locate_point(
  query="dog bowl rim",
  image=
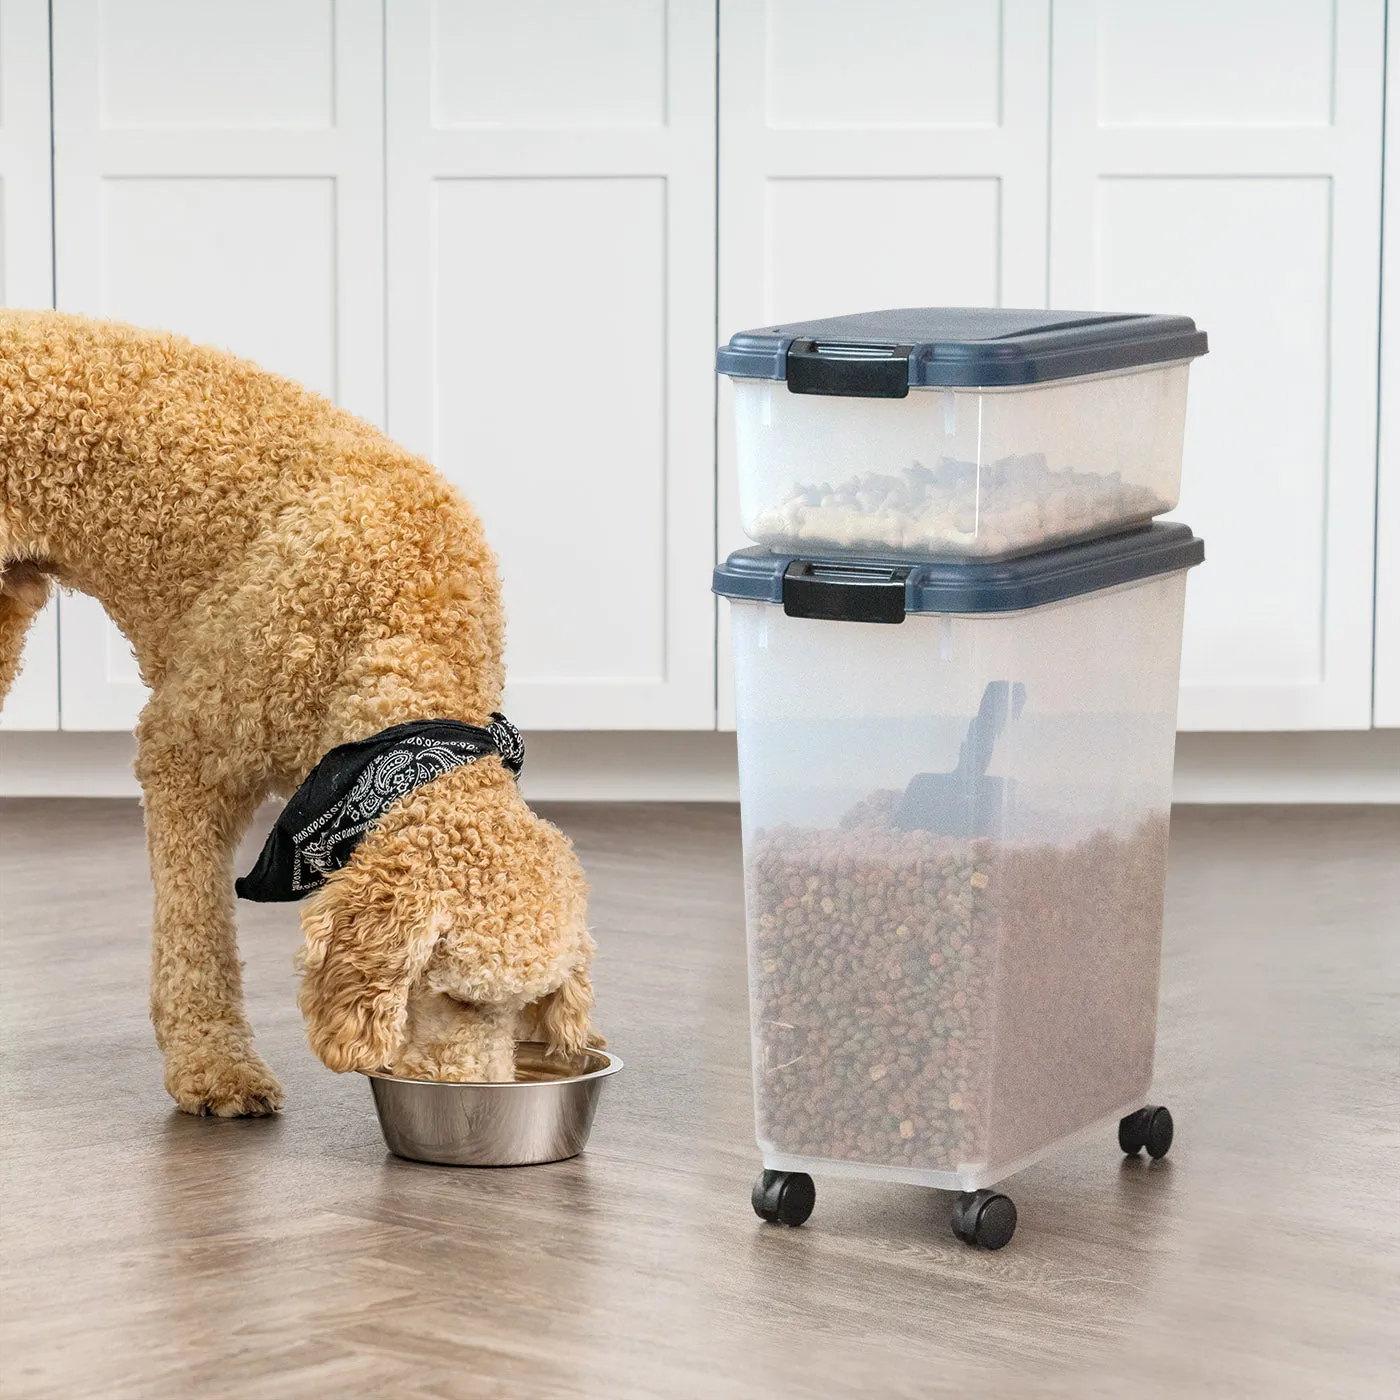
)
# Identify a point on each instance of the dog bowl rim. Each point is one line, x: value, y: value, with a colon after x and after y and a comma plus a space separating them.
x: 612, y: 1063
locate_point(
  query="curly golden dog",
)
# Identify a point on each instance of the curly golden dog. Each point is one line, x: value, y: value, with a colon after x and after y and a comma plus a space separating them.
x: 290, y: 581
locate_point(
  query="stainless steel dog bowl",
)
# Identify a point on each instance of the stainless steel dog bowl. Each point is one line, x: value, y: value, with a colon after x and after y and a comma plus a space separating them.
x: 544, y: 1116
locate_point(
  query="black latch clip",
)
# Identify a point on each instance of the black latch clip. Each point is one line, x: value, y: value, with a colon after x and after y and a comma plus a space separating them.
x: 836, y: 592
x: 848, y: 369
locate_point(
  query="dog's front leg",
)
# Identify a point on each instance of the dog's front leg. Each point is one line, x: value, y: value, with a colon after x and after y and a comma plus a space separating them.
x: 196, y: 978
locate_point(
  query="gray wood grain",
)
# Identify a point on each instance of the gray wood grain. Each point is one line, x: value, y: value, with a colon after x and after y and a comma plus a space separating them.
x: 152, y: 1255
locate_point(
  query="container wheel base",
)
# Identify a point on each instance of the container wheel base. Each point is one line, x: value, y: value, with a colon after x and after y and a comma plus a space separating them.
x: 784, y: 1198
x: 984, y: 1219
x: 1149, y: 1127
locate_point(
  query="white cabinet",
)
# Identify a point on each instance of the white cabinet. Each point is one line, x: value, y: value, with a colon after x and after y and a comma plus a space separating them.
x: 891, y: 153
x: 218, y: 171
x: 1219, y: 158
x: 26, y: 241
x: 1387, y: 693
x: 26, y: 279
x: 551, y: 330
x: 501, y: 231
x: 1222, y: 158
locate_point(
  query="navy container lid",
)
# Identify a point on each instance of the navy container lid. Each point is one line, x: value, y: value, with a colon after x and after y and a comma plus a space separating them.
x: 886, y: 590
x: 883, y: 354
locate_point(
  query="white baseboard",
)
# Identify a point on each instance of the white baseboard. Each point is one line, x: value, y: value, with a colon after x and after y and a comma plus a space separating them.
x: 1340, y: 766
x: 1361, y: 766
x: 44, y: 764
x: 640, y: 766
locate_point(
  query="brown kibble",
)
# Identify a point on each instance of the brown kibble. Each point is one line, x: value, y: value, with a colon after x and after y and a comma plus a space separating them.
x: 875, y: 994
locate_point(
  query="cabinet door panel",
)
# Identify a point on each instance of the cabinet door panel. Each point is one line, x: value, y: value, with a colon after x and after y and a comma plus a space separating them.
x: 1252, y: 204
x: 1260, y: 422
x: 219, y: 172
x: 875, y: 155
x: 834, y: 244
x: 32, y: 702
x: 173, y: 247
x: 175, y: 66
x: 1387, y: 678
x: 581, y: 510
x: 551, y: 293
x: 548, y: 63
x: 26, y: 241
x: 1197, y: 63
x: 900, y: 64
x: 26, y: 280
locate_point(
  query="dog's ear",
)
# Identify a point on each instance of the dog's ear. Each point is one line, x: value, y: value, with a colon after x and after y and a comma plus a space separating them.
x: 563, y: 1018
x: 367, y: 943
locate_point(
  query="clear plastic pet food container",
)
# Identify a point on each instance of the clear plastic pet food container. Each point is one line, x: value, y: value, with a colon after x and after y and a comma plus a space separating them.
x: 955, y: 782
x: 954, y: 433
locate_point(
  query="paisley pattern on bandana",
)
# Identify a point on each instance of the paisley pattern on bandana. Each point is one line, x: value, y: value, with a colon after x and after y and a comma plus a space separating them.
x: 353, y: 786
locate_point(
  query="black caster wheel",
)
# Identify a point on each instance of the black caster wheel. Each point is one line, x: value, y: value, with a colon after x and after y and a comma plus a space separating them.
x: 784, y: 1198
x: 1149, y: 1127
x: 986, y: 1219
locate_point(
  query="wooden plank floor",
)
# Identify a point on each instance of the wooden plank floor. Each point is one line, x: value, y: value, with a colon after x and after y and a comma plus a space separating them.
x: 151, y: 1255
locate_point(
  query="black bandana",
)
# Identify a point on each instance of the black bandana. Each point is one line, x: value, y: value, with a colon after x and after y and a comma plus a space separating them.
x: 353, y: 786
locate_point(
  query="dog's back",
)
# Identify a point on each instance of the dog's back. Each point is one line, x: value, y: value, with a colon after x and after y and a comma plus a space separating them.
x: 236, y: 526
x: 128, y: 454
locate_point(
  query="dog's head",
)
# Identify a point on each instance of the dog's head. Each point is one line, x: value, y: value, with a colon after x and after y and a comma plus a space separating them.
x: 459, y: 910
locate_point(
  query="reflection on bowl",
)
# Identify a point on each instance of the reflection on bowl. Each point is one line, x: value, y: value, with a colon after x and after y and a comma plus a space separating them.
x: 543, y: 1116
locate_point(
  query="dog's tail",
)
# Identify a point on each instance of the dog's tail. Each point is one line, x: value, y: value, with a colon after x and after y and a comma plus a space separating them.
x: 24, y: 589
x: 563, y: 1017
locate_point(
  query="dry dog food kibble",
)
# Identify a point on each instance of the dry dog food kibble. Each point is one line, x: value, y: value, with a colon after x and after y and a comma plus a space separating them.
x: 879, y: 954
x: 1013, y: 504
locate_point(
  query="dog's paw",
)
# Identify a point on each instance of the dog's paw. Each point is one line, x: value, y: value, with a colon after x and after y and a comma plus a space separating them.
x: 225, y: 1082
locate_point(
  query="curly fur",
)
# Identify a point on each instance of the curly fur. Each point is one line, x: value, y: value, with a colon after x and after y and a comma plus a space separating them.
x: 289, y: 580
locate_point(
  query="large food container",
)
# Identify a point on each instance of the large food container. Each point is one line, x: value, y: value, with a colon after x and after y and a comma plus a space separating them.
x: 955, y: 782
x: 956, y: 433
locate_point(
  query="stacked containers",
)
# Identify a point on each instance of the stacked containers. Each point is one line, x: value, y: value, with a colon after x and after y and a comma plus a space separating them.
x: 956, y: 657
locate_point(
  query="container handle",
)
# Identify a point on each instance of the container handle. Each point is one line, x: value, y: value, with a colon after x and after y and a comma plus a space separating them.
x: 849, y: 370
x: 835, y: 592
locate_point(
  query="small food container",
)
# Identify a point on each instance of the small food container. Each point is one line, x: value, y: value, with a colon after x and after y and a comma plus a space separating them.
x: 958, y: 433
x: 544, y: 1115
x: 955, y: 782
